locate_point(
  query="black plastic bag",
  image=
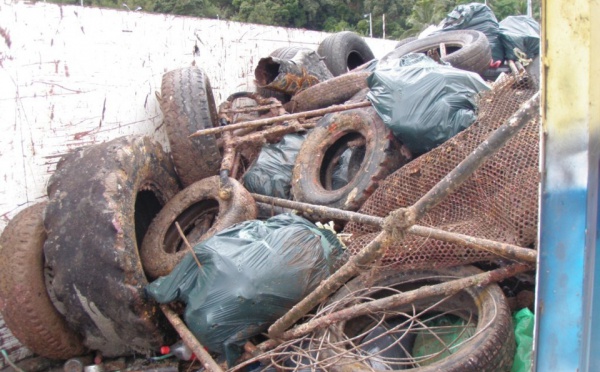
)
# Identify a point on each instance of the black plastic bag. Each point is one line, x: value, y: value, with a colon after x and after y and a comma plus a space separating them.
x: 252, y: 273
x: 425, y: 104
x: 520, y: 32
x: 479, y: 17
x: 271, y: 173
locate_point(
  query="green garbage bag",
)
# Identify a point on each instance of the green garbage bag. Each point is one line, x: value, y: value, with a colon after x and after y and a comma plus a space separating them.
x: 252, y: 273
x: 271, y: 173
x: 478, y: 17
x: 425, y: 104
x: 520, y: 32
x: 523, y: 320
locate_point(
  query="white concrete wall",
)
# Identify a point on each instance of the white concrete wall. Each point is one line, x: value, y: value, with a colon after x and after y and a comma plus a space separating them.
x: 72, y: 76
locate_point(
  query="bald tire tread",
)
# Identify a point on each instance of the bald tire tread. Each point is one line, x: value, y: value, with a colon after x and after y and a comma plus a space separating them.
x: 102, y: 200
x: 158, y: 257
x: 383, y: 155
x: 26, y: 306
x: 343, y: 51
x: 491, y: 350
x: 474, y: 53
x: 188, y: 105
x: 281, y: 53
x: 330, y: 92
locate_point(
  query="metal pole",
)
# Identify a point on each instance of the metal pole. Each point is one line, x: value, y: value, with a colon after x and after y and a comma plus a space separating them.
x: 383, y: 25
x: 529, y: 8
x: 370, y: 26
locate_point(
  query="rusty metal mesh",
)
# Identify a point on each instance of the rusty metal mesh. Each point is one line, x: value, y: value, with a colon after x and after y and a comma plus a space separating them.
x: 498, y: 202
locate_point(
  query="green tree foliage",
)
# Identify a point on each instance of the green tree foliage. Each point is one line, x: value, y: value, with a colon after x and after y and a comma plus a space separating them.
x: 403, y: 18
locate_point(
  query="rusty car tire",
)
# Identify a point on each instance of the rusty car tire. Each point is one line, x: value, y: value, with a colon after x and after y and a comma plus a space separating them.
x: 188, y: 105
x: 102, y: 201
x: 25, y: 304
x: 330, y: 92
x: 163, y: 248
x: 344, y: 51
x: 491, y: 348
x: 466, y: 49
x: 334, y: 133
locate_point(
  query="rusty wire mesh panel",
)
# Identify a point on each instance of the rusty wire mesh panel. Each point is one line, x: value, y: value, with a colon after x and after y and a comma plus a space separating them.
x: 498, y: 202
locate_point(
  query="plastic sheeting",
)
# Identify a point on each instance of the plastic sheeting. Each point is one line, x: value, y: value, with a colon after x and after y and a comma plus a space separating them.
x: 252, y: 273
x: 520, y: 32
x: 425, y: 104
x: 432, y: 342
x: 523, y: 320
x: 271, y: 174
x: 475, y: 16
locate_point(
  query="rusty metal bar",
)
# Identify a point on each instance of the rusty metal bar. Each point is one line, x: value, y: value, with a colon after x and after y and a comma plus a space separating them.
x: 505, y: 250
x: 509, y: 251
x: 322, y: 211
x: 364, y: 308
x: 260, y: 137
x: 485, y: 150
x: 251, y: 109
x: 260, y: 122
x: 188, y: 338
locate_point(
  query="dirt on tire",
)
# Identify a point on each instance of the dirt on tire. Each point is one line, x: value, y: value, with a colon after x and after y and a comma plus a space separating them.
x: 102, y: 200
x: 360, y: 128
x: 188, y: 105
x: 201, y: 212
x: 330, y: 92
x: 25, y: 304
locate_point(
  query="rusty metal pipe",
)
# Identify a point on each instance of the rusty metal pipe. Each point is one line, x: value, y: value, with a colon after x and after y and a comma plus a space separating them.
x: 260, y: 122
x: 505, y: 250
x: 188, y: 338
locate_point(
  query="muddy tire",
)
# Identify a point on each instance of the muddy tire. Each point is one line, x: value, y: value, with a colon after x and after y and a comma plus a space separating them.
x: 201, y: 212
x: 466, y: 49
x: 491, y: 348
x: 26, y: 306
x: 330, y: 92
x: 344, y: 51
x: 102, y: 200
x: 188, y: 105
x: 376, y: 154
